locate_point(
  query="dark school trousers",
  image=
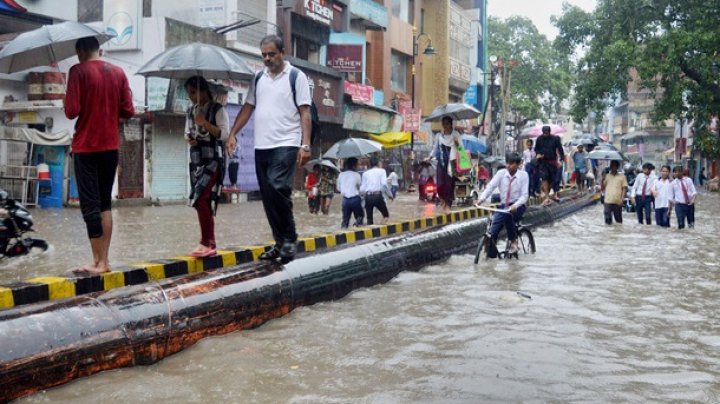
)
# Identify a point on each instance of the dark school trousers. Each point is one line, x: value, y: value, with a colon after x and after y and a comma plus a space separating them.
x: 662, y: 217
x: 352, y: 206
x: 375, y: 200
x: 508, y: 220
x: 612, y: 210
x: 684, y: 211
x: 275, y: 169
x: 643, y: 208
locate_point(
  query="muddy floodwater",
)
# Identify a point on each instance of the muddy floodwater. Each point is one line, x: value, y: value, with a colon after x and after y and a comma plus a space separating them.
x: 605, y: 314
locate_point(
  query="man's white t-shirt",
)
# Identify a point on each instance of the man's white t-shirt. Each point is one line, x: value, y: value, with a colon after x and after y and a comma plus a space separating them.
x: 277, y: 120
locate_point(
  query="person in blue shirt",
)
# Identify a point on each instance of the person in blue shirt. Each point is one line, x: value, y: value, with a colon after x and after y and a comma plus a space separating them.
x: 580, y: 162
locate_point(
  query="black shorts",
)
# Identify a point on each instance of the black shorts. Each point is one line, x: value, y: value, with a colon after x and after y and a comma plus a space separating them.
x: 547, y: 171
x: 95, y: 176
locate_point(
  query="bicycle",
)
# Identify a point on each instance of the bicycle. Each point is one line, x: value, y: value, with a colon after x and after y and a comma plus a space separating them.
x: 526, y: 243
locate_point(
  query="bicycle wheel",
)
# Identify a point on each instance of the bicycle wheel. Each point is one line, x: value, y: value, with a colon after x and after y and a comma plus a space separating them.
x: 481, y: 246
x: 526, y: 241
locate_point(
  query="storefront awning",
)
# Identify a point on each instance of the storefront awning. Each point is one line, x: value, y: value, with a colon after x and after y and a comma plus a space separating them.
x: 371, y: 118
x: 392, y: 139
x: 34, y: 136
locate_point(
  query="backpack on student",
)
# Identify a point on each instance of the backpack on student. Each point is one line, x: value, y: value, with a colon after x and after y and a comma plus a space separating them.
x: 314, y: 118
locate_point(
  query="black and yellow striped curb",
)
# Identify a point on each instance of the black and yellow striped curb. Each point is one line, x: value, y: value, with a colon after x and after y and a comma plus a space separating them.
x: 59, y: 287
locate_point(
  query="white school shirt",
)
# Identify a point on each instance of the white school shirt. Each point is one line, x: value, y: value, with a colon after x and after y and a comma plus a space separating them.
x: 638, y: 184
x: 349, y: 183
x: 518, y: 190
x: 677, y: 193
x: 528, y: 155
x: 277, y: 119
x: 664, y: 192
x: 393, y: 179
x: 373, y: 180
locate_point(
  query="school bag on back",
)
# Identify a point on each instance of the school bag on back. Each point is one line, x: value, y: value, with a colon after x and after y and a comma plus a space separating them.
x: 314, y: 117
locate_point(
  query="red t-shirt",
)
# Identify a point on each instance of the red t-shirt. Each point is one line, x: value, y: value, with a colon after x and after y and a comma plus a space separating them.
x: 98, y: 95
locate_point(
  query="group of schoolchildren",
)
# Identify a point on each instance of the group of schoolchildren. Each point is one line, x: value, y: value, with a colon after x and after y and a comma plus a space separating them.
x: 649, y: 192
x: 370, y: 189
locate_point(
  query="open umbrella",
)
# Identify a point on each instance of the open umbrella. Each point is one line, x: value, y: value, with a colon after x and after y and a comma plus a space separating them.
x: 606, y: 155
x: 352, y: 147
x: 198, y: 59
x: 325, y: 163
x: 473, y: 144
x: 46, y: 45
x: 536, y: 131
x: 456, y: 111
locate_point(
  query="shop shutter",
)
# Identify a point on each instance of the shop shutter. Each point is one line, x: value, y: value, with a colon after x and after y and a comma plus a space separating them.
x: 170, y: 159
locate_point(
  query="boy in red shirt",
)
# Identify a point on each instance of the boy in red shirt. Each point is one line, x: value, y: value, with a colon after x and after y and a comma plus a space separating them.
x: 98, y: 95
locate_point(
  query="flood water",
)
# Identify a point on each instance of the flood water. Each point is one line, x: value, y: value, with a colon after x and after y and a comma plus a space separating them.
x: 616, y: 313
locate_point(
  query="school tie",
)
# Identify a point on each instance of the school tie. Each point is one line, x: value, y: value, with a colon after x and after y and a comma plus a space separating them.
x: 685, y: 192
x: 507, y: 195
x: 644, y: 187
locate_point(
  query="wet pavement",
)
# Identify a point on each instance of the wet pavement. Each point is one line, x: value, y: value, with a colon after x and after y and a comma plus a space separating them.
x: 153, y: 232
x: 625, y: 313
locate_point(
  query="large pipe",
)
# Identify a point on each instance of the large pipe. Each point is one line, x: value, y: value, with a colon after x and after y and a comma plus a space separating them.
x: 48, y: 344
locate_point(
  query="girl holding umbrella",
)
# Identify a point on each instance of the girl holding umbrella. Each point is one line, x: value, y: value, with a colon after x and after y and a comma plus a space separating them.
x: 206, y: 126
x: 445, y: 151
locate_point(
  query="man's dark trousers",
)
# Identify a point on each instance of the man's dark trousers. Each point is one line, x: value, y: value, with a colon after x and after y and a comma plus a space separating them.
x: 643, y: 208
x: 684, y: 211
x: 611, y: 210
x: 275, y: 169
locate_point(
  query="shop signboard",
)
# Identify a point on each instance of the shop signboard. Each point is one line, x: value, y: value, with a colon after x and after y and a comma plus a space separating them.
x: 366, y: 119
x: 122, y: 19
x: 345, y: 58
x: 325, y: 93
x: 412, y: 120
x: 318, y: 10
x: 360, y: 93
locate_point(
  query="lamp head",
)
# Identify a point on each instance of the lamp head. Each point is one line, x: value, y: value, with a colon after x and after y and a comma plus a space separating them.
x: 430, y: 51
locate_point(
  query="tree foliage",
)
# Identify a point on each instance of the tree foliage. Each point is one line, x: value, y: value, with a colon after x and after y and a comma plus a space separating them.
x: 673, y: 45
x: 542, y: 78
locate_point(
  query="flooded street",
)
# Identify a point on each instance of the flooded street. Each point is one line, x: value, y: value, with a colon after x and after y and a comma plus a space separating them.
x: 154, y: 232
x: 616, y: 313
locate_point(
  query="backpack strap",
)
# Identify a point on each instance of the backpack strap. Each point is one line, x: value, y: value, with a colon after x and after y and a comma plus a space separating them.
x: 293, y: 80
x: 257, y: 78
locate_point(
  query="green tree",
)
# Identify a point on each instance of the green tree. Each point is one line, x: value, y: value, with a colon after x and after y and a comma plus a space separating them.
x: 542, y: 78
x: 673, y: 45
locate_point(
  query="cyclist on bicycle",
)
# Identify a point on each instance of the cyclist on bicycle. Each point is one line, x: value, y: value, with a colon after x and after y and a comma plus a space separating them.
x: 514, y: 185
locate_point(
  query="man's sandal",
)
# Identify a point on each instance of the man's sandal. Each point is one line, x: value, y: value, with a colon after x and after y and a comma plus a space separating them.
x: 272, y: 254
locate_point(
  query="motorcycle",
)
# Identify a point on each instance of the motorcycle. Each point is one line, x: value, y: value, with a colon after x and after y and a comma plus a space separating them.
x: 428, y: 191
x: 15, y: 221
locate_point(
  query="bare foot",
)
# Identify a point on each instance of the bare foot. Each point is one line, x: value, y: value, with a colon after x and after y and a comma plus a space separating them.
x: 92, y: 269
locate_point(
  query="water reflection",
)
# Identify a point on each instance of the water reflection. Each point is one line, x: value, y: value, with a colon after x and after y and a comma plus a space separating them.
x: 620, y: 313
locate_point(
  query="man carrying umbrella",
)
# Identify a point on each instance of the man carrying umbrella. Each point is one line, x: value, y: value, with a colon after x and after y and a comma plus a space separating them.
x: 98, y: 95
x: 548, y: 148
x: 283, y: 138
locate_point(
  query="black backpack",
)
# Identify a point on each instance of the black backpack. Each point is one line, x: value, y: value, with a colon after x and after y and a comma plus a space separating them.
x: 314, y: 117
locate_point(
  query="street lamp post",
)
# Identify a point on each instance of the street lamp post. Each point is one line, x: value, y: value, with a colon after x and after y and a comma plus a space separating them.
x: 429, y: 51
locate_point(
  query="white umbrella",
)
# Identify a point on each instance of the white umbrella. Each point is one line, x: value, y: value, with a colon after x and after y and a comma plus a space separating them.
x: 352, y: 147
x: 198, y: 59
x: 606, y: 155
x: 456, y: 111
x: 46, y: 45
x: 322, y: 162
